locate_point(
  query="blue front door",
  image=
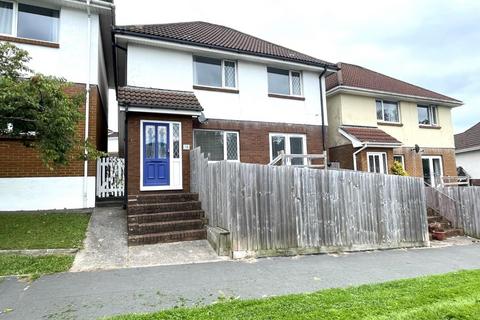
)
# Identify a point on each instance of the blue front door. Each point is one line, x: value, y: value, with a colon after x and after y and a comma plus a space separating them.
x: 156, y: 154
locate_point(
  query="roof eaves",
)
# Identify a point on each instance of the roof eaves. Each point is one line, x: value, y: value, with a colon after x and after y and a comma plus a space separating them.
x: 330, y: 66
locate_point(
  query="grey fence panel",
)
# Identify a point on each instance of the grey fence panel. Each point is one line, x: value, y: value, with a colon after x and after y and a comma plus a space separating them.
x: 460, y: 205
x: 271, y: 210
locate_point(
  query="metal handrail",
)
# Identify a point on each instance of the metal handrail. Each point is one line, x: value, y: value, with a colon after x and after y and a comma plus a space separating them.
x: 443, y: 193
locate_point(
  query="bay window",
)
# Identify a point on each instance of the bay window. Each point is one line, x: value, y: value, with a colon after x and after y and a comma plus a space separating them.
x: 284, y: 82
x: 387, y: 111
x: 217, y: 145
x: 427, y: 115
x: 29, y: 21
x: 213, y: 72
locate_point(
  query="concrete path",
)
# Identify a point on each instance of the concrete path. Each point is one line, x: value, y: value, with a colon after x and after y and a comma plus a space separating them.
x: 88, y: 295
x: 106, y: 248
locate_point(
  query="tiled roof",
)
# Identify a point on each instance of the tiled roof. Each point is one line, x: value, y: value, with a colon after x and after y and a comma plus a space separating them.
x: 359, y: 77
x: 204, y: 34
x: 369, y: 134
x: 158, y: 98
x: 468, y: 139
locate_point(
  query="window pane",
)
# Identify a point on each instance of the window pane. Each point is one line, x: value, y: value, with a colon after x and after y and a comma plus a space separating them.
x: 278, y: 144
x: 376, y: 160
x: 384, y: 164
x: 437, y: 169
x: 296, y: 147
x: 232, y: 146
x: 37, y: 23
x: 434, y: 114
x: 423, y: 117
x: 426, y: 170
x: 390, y: 111
x: 210, y: 143
x: 208, y: 71
x: 296, y: 84
x: 176, y: 140
x: 230, y: 80
x: 150, y: 142
x: 379, y: 110
x: 6, y: 13
x: 162, y: 142
x: 278, y: 81
x: 371, y: 164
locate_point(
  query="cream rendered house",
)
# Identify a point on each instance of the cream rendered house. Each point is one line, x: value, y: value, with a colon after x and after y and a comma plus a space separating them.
x: 375, y: 120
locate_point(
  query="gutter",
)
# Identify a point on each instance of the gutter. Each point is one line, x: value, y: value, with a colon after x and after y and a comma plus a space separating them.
x: 322, y: 113
x: 355, y: 156
x: 87, y: 105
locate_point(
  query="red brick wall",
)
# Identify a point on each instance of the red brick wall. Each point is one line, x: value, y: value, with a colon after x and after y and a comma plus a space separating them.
x: 343, y: 155
x: 254, y: 141
x: 17, y: 160
x: 413, y: 160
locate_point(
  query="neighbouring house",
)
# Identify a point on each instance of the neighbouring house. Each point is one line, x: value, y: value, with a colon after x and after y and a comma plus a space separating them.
x: 467, y: 152
x: 375, y: 120
x: 69, y: 39
x: 112, y: 143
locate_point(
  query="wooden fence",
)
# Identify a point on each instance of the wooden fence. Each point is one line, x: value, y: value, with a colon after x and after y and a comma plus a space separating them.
x: 110, y: 177
x: 271, y: 210
x: 460, y: 205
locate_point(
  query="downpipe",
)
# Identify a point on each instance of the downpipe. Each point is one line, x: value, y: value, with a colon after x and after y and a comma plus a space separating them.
x: 87, y: 106
x: 355, y: 156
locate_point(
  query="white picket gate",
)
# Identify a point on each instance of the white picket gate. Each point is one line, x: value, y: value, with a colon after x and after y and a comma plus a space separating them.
x: 110, y: 177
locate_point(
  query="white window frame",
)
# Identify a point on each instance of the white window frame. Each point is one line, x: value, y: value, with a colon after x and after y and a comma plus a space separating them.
x: 223, y: 72
x: 432, y: 114
x: 290, y: 88
x: 401, y: 157
x: 430, y: 160
x: 287, y: 137
x: 225, y: 149
x: 381, y: 155
x: 15, y: 20
x: 383, y: 111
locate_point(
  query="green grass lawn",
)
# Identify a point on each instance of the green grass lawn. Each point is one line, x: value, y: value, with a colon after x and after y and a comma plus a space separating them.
x: 450, y: 296
x: 42, y: 230
x: 34, y: 266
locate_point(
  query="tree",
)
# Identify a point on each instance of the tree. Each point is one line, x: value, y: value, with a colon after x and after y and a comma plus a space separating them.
x: 37, y: 109
x: 398, y: 170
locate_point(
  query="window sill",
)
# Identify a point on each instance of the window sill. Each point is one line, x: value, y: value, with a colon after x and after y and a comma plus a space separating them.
x: 386, y: 123
x: 426, y: 126
x: 30, y: 41
x: 197, y: 87
x: 282, y: 96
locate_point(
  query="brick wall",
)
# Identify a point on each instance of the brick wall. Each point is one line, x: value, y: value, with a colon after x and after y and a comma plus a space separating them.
x: 254, y: 141
x: 17, y: 160
x: 343, y: 155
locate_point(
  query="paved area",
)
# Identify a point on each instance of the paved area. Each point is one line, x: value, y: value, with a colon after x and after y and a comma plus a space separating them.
x: 88, y: 295
x: 106, y: 247
x: 454, y: 241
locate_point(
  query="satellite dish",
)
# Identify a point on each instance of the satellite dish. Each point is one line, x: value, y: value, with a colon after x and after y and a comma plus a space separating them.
x: 201, y: 118
x: 417, y: 148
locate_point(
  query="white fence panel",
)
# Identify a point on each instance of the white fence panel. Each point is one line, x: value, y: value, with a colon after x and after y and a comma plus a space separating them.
x: 110, y: 177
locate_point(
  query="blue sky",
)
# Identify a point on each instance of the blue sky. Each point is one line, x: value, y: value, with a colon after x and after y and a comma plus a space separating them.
x: 434, y: 44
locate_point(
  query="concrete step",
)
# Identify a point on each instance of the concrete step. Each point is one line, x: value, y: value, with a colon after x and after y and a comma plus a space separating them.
x: 166, y: 216
x: 166, y: 226
x: 174, y: 236
x: 163, y: 207
x: 162, y: 198
x: 432, y: 219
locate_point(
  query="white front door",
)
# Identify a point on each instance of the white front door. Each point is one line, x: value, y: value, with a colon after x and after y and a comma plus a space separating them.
x: 377, y: 162
x: 160, y: 155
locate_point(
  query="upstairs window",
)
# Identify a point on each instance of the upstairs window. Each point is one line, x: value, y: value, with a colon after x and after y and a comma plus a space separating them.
x: 427, y: 115
x: 387, y: 111
x: 213, y: 72
x: 284, y: 82
x: 29, y: 22
x: 6, y: 17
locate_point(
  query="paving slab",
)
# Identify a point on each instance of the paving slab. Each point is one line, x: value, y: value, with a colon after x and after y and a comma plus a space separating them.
x: 89, y: 295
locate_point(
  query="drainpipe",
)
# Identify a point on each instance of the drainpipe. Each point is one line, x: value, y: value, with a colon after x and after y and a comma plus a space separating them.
x: 325, y: 162
x: 87, y: 105
x: 355, y: 156
x: 125, y: 150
